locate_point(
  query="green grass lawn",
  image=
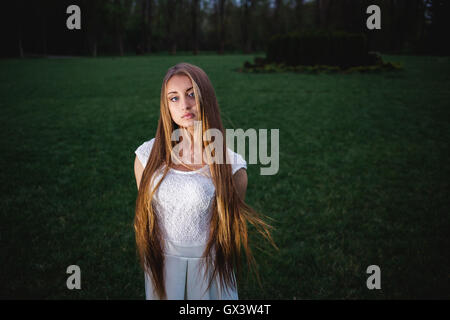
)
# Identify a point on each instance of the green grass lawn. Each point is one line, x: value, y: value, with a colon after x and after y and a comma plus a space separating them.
x: 363, y: 179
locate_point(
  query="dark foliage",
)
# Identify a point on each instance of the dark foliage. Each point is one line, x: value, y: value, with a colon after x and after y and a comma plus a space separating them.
x: 320, y: 48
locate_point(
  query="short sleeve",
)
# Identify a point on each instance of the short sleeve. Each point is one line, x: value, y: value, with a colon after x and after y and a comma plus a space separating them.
x: 237, y: 161
x: 143, y: 151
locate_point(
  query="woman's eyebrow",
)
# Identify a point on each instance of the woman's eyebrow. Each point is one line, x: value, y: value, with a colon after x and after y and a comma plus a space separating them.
x: 177, y: 92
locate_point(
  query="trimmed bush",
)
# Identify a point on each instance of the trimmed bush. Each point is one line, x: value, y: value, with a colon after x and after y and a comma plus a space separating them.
x: 340, y: 49
x: 280, y: 67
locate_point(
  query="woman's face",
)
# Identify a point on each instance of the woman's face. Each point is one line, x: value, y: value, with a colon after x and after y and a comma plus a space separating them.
x: 181, y: 101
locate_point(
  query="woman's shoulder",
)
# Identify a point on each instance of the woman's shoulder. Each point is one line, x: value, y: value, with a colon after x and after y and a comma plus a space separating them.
x: 143, y: 151
x: 236, y: 160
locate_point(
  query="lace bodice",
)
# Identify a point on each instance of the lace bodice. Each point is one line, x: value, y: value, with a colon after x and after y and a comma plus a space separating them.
x: 183, y: 201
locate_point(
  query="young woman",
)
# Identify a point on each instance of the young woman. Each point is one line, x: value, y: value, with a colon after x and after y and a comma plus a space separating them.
x: 191, y: 218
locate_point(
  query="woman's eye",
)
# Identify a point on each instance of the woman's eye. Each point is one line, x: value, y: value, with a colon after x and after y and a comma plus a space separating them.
x: 175, y: 99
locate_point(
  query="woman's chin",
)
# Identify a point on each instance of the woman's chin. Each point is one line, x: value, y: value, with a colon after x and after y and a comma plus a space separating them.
x: 188, y: 122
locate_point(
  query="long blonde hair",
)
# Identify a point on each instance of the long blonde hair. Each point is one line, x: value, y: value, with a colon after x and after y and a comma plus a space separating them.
x: 230, y: 214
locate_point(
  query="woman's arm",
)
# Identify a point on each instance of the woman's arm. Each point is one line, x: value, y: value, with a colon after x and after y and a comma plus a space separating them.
x: 138, y: 170
x: 241, y: 180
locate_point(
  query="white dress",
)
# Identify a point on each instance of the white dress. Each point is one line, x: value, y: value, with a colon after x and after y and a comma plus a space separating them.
x: 183, y: 203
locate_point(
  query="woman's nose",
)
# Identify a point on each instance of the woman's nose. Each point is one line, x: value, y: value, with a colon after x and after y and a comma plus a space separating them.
x: 187, y: 104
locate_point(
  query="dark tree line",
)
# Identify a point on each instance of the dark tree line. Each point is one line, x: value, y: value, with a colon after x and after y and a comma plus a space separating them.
x: 119, y: 27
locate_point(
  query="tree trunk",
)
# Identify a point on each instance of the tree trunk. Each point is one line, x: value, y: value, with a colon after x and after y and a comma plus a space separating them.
x: 20, y: 45
x: 221, y: 9
x: 149, y: 26
x: 323, y: 13
x: 393, y: 34
x: 92, y: 24
x: 18, y: 19
x: 94, y: 48
x: 44, y: 33
x: 146, y: 25
x: 277, y: 17
x: 195, y: 9
x: 171, y: 26
x: 246, y: 26
x: 120, y: 44
x: 298, y: 14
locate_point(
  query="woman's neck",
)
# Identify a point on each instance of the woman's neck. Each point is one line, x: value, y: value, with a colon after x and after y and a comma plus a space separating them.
x: 191, y: 150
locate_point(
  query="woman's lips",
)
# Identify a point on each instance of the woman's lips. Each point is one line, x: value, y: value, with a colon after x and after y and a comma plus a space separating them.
x: 188, y: 116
